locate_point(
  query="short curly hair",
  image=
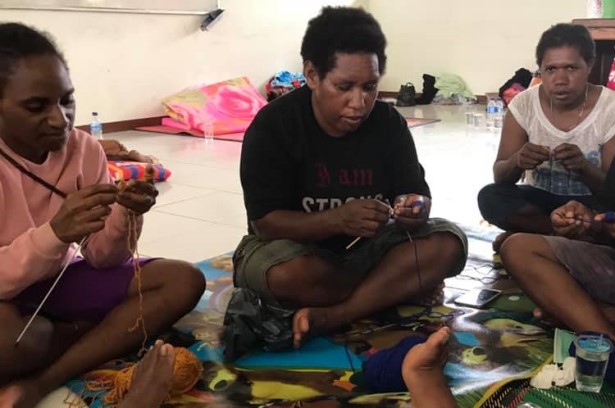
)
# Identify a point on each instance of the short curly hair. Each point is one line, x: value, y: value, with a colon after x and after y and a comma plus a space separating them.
x: 342, y: 29
x: 571, y: 35
x: 18, y: 41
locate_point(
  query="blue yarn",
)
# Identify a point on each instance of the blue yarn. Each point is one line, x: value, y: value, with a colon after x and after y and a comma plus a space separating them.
x: 382, y: 372
x: 609, y: 376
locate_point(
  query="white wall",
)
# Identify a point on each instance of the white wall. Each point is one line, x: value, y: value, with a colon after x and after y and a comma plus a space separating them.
x: 483, y: 41
x: 123, y: 64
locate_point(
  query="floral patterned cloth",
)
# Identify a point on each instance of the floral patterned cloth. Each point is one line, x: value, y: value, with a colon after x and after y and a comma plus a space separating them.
x: 229, y: 106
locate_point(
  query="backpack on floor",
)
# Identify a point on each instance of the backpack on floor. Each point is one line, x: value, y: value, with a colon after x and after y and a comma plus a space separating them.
x: 515, y: 85
x: 406, y: 95
x: 282, y: 83
x: 251, y: 323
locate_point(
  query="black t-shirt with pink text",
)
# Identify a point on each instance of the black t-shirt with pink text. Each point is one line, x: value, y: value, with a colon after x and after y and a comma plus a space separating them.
x: 289, y: 163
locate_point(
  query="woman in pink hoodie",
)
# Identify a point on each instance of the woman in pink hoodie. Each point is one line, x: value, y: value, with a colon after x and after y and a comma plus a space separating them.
x: 55, y: 191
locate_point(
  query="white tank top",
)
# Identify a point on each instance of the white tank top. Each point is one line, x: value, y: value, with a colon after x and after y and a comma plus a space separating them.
x: 590, y: 135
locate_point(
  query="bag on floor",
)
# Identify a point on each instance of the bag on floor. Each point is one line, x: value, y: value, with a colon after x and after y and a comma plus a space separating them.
x: 515, y: 85
x: 429, y: 90
x: 282, y: 83
x: 406, y: 95
x: 251, y: 323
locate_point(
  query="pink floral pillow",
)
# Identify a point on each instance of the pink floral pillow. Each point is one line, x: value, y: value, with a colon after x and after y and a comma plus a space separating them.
x: 229, y: 106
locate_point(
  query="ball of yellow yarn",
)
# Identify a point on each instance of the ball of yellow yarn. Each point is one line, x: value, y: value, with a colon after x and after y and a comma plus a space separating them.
x: 186, y: 372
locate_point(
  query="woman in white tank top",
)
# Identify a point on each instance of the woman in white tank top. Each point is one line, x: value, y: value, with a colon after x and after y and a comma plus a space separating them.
x: 569, y: 273
x: 559, y: 135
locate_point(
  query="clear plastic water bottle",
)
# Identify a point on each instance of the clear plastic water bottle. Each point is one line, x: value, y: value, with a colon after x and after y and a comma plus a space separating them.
x: 594, y: 8
x: 499, y: 114
x: 208, y: 132
x: 491, y: 113
x: 96, y: 129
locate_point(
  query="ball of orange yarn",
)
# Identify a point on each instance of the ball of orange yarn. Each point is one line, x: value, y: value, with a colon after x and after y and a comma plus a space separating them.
x: 186, y: 372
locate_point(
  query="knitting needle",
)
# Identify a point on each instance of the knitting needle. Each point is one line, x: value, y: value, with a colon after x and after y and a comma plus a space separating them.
x: 609, y: 218
x: 38, y: 309
x: 391, y: 211
x: 353, y: 242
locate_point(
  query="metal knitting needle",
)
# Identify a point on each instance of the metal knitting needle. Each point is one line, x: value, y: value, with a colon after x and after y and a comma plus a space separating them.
x: 391, y: 212
x: 609, y: 218
x: 40, y: 306
x: 577, y: 219
x: 353, y: 242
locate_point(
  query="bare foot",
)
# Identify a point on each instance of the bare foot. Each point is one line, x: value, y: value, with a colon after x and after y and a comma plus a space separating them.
x: 152, y: 378
x: 134, y: 155
x: 29, y: 392
x: 10, y: 395
x: 499, y: 240
x: 430, y: 299
x: 313, y: 321
x: 21, y: 394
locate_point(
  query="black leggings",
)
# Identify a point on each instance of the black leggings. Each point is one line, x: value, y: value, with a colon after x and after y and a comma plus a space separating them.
x: 499, y: 202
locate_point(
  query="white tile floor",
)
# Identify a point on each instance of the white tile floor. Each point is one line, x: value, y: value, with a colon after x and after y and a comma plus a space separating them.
x: 200, y: 210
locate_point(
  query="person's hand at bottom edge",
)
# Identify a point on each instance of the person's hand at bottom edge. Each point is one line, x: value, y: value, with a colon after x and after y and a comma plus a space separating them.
x: 423, y: 374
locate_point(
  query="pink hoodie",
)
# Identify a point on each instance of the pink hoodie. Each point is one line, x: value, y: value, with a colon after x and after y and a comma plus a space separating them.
x: 29, y: 249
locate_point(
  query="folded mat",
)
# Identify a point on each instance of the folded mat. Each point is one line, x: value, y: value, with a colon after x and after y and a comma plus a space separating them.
x: 128, y: 170
x: 416, y: 122
x: 487, y: 348
x: 229, y: 106
x: 233, y: 137
x: 171, y: 126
